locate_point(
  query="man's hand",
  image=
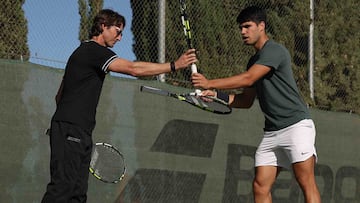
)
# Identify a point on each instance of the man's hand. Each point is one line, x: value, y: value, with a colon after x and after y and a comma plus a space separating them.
x: 208, y: 93
x: 198, y: 80
x: 186, y: 59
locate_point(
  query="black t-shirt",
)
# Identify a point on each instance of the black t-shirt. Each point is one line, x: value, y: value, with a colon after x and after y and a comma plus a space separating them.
x: 83, y: 79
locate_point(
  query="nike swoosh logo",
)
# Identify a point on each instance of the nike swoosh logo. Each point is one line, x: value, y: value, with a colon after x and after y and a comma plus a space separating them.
x: 303, y: 153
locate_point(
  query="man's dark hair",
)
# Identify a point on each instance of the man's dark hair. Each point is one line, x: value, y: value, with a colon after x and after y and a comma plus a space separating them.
x: 252, y: 13
x: 108, y: 18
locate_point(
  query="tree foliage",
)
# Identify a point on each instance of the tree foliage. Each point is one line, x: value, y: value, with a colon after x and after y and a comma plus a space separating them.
x: 13, y: 26
x: 87, y: 11
x: 146, y: 36
x: 337, y: 51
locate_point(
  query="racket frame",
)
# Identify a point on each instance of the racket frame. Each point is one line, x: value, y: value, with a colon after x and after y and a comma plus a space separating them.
x: 95, y: 173
x: 183, y: 97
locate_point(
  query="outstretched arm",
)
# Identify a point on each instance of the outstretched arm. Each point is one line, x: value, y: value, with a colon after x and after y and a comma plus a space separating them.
x: 242, y: 100
x: 242, y: 80
x: 147, y: 68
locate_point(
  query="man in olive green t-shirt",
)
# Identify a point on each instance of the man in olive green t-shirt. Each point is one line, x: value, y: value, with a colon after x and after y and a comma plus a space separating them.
x: 289, y: 132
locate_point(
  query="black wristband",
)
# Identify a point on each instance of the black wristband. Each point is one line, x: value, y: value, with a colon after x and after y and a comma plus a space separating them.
x: 172, y: 66
x: 223, y: 96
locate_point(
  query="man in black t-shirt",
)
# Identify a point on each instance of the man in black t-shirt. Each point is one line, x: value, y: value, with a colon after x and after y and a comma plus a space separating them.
x: 77, y: 100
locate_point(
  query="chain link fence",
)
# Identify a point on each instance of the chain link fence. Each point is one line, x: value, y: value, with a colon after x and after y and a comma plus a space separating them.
x: 322, y: 37
x: 12, y: 36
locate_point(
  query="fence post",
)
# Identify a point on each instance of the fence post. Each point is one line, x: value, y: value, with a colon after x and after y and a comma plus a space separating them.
x: 161, y: 34
x: 311, y: 50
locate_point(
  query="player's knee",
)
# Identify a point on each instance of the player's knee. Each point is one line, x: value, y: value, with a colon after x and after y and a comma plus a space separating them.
x: 260, y: 188
x: 305, y: 180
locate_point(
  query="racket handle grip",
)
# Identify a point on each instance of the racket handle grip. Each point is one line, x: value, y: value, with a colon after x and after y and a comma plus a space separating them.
x: 193, y: 68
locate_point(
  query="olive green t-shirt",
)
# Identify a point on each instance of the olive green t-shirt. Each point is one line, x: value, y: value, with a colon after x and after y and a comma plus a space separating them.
x: 277, y: 92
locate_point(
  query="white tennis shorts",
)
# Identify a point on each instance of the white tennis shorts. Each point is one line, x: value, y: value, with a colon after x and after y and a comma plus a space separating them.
x: 284, y: 147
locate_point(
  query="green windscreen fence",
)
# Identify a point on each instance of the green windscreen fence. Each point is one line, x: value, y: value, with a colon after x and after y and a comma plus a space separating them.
x: 174, y: 152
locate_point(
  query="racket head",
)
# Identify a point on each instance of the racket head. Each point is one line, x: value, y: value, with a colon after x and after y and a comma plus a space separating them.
x: 211, y: 104
x: 107, y: 163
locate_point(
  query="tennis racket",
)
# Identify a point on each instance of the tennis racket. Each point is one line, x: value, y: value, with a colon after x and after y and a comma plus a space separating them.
x: 107, y: 163
x: 187, y: 31
x: 210, y: 104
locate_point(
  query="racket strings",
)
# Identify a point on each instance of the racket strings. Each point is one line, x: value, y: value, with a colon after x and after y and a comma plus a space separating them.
x: 208, y: 103
x: 107, y: 163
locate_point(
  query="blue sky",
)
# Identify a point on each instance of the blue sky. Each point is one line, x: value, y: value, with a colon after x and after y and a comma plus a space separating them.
x: 53, y: 27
